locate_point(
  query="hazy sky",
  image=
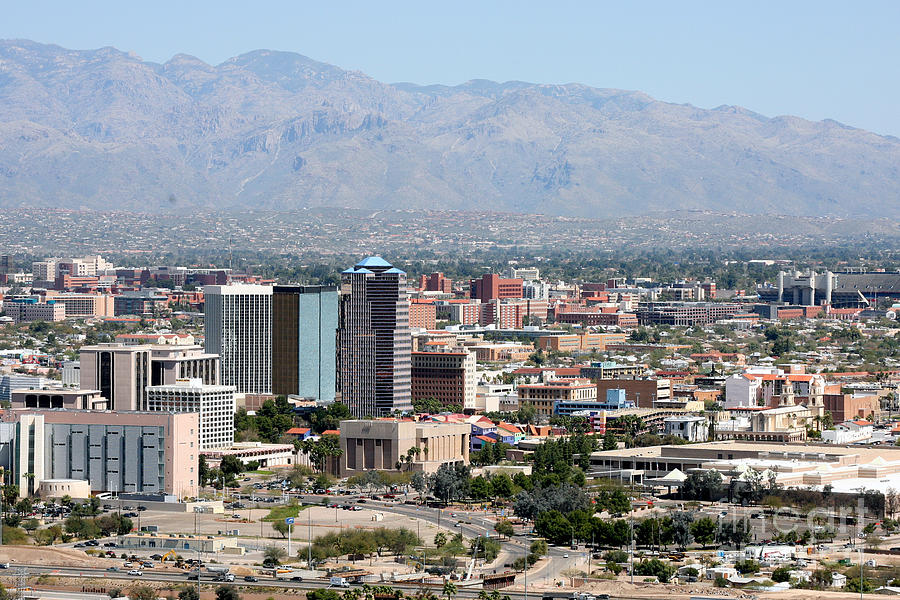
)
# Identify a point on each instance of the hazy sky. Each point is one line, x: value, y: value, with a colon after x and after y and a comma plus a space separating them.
x: 817, y: 59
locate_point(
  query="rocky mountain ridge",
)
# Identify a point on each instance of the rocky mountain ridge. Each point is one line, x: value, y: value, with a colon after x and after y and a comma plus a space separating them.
x: 275, y: 130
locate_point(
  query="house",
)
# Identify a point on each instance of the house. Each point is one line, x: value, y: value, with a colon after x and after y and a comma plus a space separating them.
x: 538, y: 430
x: 336, y: 432
x: 838, y: 580
x: 509, y: 433
x: 299, y: 433
x: 480, y: 441
x: 849, y: 432
x: 692, y: 429
x: 482, y: 426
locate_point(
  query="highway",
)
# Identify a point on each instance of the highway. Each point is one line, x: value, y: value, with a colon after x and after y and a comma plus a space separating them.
x: 264, y: 582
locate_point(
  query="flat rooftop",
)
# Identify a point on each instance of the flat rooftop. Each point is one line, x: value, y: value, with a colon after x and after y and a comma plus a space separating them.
x: 866, y: 453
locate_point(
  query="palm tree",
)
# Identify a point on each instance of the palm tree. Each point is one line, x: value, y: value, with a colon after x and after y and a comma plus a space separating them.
x: 449, y: 589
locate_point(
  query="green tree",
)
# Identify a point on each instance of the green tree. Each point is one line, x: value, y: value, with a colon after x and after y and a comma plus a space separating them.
x: 504, y: 527
x: 231, y: 466
x: 655, y: 568
x: 747, y: 567
x: 142, y: 592
x: 323, y: 594
x: 188, y: 593
x: 449, y: 589
x: 202, y: 470
x: 704, y: 531
x: 539, y: 547
x: 227, y: 592
x: 503, y: 485
x: 781, y: 574
x: 274, y: 554
x: 481, y: 488
x: 610, y: 442
x: 281, y: 527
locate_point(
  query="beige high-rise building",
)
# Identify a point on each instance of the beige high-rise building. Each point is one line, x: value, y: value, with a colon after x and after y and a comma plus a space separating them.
x: 121, y: 373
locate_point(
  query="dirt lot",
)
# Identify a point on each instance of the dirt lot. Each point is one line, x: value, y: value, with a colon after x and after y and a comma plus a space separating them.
x: 40, y: 555
x: 323, y: 520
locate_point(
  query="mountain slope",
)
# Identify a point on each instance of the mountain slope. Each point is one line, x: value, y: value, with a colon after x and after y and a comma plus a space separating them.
x: 276, y: 130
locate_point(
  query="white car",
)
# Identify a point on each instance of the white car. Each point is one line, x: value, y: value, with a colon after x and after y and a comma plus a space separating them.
x: 566, y: 555
x: 136, y: 572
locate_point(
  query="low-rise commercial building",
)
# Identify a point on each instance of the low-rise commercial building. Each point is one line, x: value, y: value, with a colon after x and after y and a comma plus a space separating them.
x: 368, y: 445
x: 644, y: 393
x: 688, y: 427
x: 26, y: 310
x: 68, y: 398
x: 544, y: 396
x: 850, y: 469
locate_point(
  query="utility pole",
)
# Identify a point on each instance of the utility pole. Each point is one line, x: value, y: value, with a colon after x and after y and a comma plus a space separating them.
x: 308, y: 539
x: 861, y: 585
x: 631, y: 547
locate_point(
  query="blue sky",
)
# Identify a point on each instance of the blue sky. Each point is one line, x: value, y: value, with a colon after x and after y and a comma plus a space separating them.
x: 817, y: 60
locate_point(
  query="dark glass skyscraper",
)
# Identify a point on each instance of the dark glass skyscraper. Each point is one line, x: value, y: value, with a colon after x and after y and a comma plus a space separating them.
x: 304, y: 327
x: 374, y: 341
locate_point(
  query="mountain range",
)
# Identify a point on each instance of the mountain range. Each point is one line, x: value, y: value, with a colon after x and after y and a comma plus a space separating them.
x: 101, y: 129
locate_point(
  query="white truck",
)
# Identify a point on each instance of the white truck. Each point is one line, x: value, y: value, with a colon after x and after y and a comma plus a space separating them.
x: 338, y: 582
x: 217, y: 569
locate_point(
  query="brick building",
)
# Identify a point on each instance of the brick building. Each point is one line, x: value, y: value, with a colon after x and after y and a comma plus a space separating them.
x: 436, y: 282
x: 493, y: 287
x: 446, y: 376
x: 422, y: 314
x: 544, y: 396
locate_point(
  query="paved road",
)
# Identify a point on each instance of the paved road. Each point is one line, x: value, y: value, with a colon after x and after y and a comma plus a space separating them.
x: 266, y: 582
x: 480, y: 525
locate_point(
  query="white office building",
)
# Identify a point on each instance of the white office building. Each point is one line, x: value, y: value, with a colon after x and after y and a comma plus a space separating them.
x: 214, y: 403
x: 238, y: 320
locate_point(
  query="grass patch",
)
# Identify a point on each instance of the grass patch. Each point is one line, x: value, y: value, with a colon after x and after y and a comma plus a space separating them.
x: 261, y: 473
x: 280, y: 513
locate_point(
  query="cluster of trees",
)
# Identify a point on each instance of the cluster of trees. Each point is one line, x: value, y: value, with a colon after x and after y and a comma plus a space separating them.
x: 323, y: 419
x: 706, y: 486
x: 434, y: 406
x: 680, y: 529
x: 226, y: 473
x: 526, y: 414
x: 326, y: 447
x: 499, y: 485
x: 782, y: 339
x: 365, y: 542
x: 276, y: 416
x: 655, y: 568
x: 490, y: 454
x: 86, y: 527
x: 145, y: 592
x: 563, y: 460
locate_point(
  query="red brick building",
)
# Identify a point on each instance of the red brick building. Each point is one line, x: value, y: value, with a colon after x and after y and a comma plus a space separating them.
x: 588, y: 318
x: 493, y: 287
x: 844, y: 407
x: 422, y: 314
x: 436, y: 282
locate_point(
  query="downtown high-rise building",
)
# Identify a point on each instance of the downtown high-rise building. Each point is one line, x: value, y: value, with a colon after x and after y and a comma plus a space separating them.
x: 238, y: 327
x: 304, y: 329
x: 374, y: 342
